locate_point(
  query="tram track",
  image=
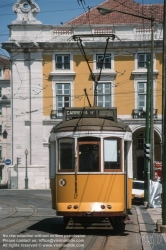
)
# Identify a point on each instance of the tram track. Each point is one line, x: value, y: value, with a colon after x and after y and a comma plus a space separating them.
x: 32, y: 197
x: 13, y: 208
x: 21, y: 219
x: 97, y: 242
x: 14, y: 212
x: 103, y: 245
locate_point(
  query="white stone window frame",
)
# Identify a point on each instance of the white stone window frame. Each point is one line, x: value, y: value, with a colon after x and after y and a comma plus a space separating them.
x: 136, y: 92
x: 144, y: 61
x: 106, y: 56
x: 111, y: 89
x: 142, y: 94
x: 62, y: 70
x: 95, y: 70
x: 143, y: 79
x: 54, y: 83
x: 136, y: 61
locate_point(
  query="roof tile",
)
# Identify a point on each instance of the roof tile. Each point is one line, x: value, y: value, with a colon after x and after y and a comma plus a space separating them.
x: 129, y: 6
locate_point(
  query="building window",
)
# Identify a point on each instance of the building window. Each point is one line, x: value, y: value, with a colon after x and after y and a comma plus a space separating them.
x: 62, y: 61
x: 106, y: 63
x: 0, y: 92
x: 0, y: 129
x: 0, y: 110
x: 104, y: 95
x: 142, y: 60
x: 141, y: 140
x: 142, y: 95
x: 62, y: 96
x: 0, y: 72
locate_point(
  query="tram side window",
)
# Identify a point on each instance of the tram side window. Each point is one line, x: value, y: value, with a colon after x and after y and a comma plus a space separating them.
x: 66, y: 154
x: 112, y: 159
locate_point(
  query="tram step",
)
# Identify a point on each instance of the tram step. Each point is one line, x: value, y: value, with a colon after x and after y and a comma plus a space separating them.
x: 76, y: 224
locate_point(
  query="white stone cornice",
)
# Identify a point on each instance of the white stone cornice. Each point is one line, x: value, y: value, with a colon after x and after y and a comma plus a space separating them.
x: 143, y: 71
x: 105, y: 72
x: 62, y: 73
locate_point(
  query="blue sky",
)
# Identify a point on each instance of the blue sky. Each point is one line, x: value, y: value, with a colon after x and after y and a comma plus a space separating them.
x: 51, y: 12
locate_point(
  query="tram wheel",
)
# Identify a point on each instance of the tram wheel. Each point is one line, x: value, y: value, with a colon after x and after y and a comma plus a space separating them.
x: 118, y: 224
x: 65, y: 220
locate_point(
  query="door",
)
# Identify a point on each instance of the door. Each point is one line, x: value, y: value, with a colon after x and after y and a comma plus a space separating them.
x: 140, y: 168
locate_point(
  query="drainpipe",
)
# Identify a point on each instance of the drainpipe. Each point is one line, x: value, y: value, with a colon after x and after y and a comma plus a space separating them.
x: 30, y: 108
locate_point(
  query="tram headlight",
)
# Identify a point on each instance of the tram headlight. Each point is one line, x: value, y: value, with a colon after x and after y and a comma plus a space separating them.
x: 102, y: 206
x: 75, y: 206
x: 109, y: 206
x: 62, y: 182
x: 69, y: 206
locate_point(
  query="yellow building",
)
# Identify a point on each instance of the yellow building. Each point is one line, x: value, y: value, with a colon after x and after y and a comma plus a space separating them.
x: 91, y: 60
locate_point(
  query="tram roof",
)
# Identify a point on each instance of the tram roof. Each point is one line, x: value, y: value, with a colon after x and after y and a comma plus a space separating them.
x: 90, y: 124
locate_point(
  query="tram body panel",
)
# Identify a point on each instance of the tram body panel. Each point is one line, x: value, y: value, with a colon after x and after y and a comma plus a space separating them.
x: 91, y: 189
x: 129, y: 200
x: 63, y: 195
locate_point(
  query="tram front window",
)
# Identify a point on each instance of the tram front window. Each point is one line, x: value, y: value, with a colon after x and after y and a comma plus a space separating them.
x: 112, y: 155
x: 89, y: 157
x: 66, y: 154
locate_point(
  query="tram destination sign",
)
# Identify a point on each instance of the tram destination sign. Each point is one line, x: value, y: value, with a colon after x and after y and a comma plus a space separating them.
x: 79, y: 113
x: 108, y: 113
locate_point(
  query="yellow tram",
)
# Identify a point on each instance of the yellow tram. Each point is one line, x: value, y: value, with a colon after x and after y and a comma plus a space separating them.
x: 91, y: 166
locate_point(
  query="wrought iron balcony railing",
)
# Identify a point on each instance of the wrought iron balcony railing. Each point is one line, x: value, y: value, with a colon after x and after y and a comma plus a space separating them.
x: 138, y: 113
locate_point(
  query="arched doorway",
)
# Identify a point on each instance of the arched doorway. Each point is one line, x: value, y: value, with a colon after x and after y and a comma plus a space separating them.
x: 138, y: 151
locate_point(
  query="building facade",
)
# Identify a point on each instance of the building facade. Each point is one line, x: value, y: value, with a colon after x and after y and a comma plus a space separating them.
x: 5, y: 120
x: 91, y: 60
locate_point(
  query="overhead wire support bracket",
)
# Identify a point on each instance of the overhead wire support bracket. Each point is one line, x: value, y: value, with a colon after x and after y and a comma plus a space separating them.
x: 79, y: 41
x: 81, y: 1
x: 87, y: 97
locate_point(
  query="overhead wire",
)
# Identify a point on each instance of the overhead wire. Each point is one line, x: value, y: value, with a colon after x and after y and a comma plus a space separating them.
x: 121, y: 104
